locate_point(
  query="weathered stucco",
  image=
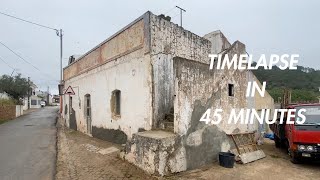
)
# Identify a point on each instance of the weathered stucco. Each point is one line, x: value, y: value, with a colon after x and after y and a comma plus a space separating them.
x: 169, y: 40
x: 196, y: 91
x: 153, y: 151
x: 258, y: 102
x: 219, y: 42
x: 123, y: 43
x: 193, y: 88
x: 159, y: 66
x: 133, y: 69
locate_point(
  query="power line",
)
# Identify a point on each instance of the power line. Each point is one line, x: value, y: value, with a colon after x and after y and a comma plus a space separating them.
x: 58, y: 33
x: 24, y: 59
x: 37, y: 24
x: 171, y: 9
x: 7, y: 63
x: 28, y: 75
x: 174, y: 16
x: 19, y: 56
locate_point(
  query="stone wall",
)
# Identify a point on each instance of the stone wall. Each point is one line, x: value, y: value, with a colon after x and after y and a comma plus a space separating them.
x: 196, y: 91
x: 7, y: 112
x: 216, y: 92
x: 169, y: 40
x: 154, y: 152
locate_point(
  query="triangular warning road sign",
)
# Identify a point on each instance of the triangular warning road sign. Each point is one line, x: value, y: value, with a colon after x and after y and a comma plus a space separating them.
x: 69, y: 91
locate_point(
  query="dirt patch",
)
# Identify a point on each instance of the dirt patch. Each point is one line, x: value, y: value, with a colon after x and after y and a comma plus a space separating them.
x: 276, y: 165
x: 84, y: 157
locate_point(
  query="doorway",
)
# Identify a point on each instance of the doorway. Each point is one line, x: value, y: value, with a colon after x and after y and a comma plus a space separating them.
x: 70, y: 106
x: 72, y: 116
x: 88, y: 113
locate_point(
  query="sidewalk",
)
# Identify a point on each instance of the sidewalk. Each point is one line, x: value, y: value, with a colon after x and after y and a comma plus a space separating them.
x: 83, y: 157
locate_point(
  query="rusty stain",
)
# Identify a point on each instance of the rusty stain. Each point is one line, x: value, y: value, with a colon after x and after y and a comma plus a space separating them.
x: 131, y: 38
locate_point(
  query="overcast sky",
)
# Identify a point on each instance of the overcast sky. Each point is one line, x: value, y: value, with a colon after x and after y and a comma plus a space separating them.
x: 265, y: 26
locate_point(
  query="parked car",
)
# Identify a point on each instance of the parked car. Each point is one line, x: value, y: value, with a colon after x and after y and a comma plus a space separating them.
x: 301, y: 140
x: 43, y: 103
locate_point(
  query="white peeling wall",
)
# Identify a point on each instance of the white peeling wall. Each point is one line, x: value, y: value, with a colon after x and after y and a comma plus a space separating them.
x: 131, y: 74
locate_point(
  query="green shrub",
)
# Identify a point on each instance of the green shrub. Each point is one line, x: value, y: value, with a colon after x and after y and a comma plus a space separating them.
x: 7, y: 102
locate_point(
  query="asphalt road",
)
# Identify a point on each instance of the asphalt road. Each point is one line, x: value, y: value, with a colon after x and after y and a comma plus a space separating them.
x: 28, y: 146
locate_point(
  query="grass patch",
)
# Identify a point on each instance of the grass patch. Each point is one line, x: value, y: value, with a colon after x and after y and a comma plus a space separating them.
x: 7, y: 102
x: 3, y: 121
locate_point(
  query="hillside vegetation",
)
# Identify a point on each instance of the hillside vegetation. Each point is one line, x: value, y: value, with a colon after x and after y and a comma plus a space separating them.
x: 303, y: 82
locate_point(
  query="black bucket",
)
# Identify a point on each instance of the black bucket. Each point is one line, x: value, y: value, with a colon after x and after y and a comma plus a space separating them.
x: 226, y: 159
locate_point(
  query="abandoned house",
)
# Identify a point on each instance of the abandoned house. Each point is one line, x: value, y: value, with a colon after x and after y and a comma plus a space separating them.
x: 148, y: 85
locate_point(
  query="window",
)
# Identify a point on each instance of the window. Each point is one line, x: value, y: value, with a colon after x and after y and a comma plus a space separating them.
x: 33, y: 102
x: 230, y: 89
x: 116, y: 103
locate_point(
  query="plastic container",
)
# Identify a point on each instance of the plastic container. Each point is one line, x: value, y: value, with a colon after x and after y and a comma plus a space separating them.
x: 226, y: 159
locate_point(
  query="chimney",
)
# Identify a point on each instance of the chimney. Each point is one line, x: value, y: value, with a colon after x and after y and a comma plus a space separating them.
x: 168, y: 18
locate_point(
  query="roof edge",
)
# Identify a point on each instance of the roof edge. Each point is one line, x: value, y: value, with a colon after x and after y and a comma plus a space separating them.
x: 111, y: 37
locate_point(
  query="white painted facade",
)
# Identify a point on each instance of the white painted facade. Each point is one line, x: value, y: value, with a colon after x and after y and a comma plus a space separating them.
x: 130, y: 75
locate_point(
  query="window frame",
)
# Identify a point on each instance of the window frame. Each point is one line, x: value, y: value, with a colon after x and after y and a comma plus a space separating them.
x: 116, y: 103
x: 230, y: 90
x: 87, y: 107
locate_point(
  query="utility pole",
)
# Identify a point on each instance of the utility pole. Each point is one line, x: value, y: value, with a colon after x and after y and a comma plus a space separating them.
x: 181, y: 14
x: 48, y: 96
x: 59, y: 33
x: 29, y: 92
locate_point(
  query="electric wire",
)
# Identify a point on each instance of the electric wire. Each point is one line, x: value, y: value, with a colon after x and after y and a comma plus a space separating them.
x: 37, y: 24
x: 7, y: 64
x: 26, y: 61
x: 171, y: 9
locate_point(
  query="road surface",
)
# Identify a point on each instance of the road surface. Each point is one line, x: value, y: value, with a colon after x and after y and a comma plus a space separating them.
x: 28, y: 146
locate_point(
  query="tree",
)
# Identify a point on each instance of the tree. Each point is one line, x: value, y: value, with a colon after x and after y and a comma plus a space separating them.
x: 17, y: 87
x: 303, y: 82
